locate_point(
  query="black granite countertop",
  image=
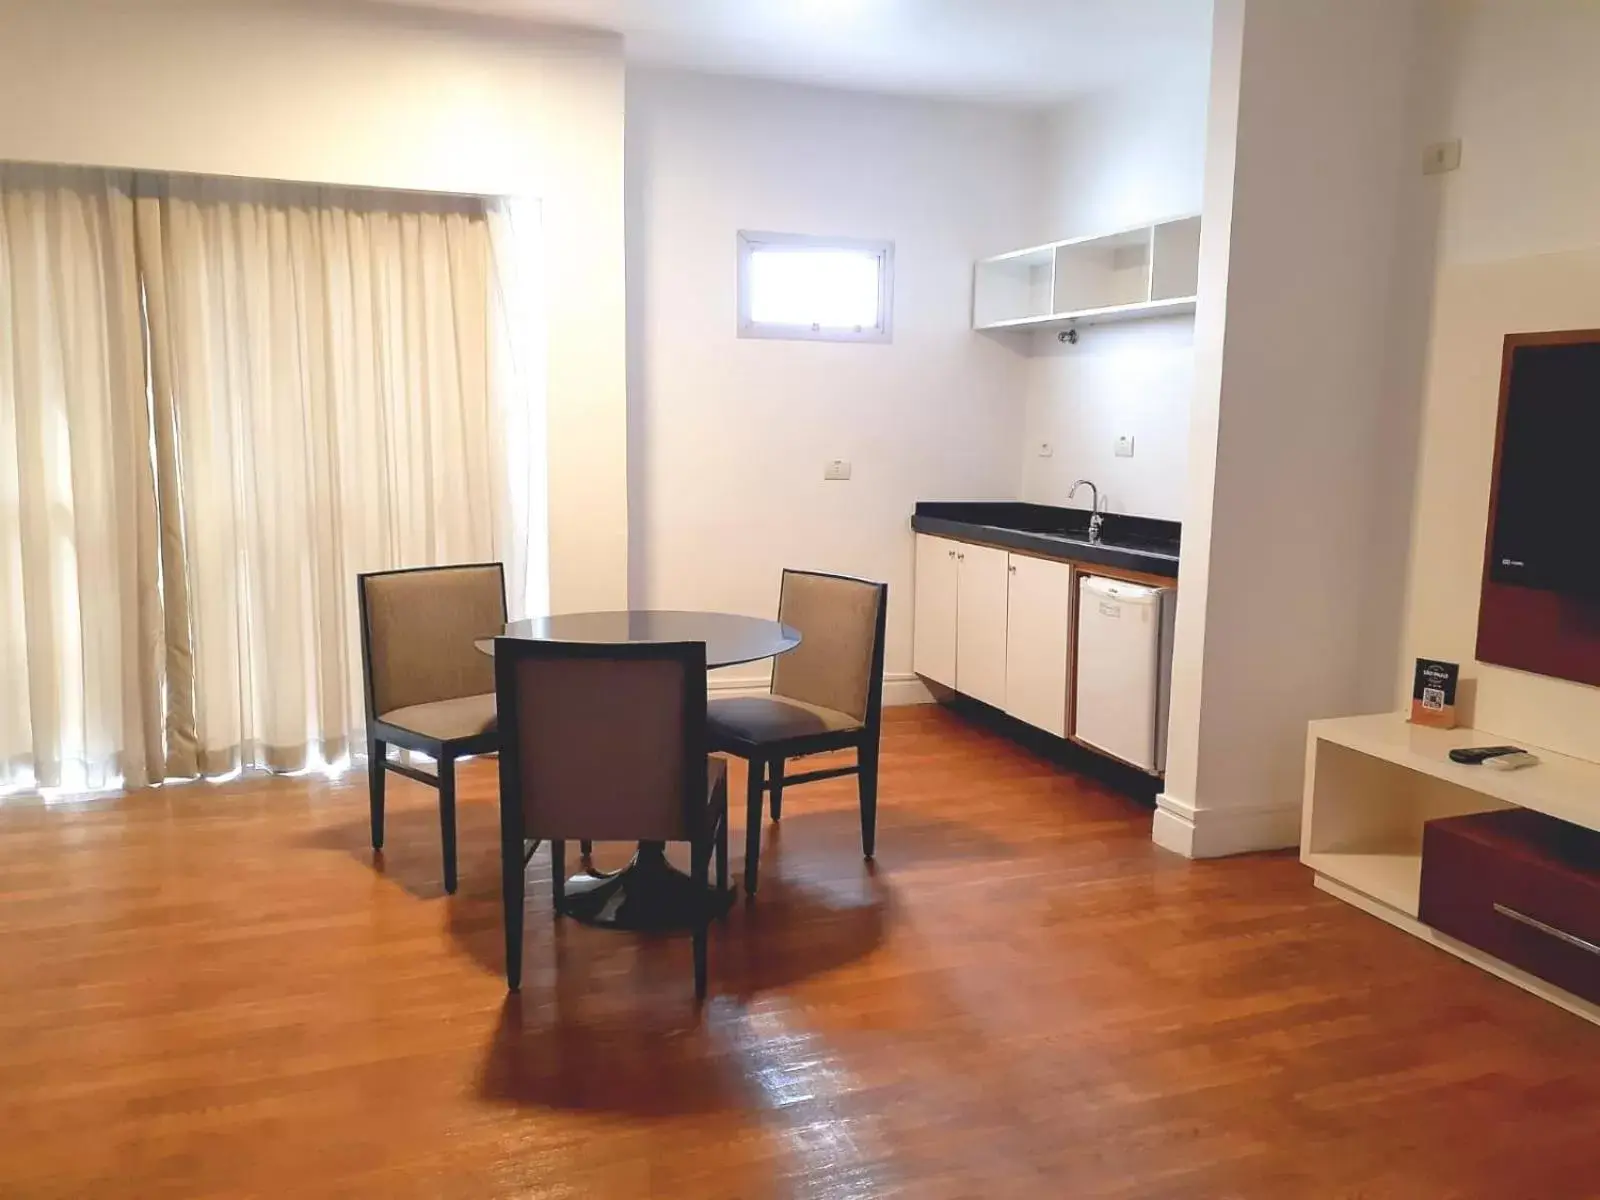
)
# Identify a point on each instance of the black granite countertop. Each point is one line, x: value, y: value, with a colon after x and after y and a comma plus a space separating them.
x: 1131, y: 543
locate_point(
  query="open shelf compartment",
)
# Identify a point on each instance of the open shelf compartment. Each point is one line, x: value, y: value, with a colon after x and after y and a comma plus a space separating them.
x: 1014, y: 287
x: 1148, y: 271
x: 1373, y: 782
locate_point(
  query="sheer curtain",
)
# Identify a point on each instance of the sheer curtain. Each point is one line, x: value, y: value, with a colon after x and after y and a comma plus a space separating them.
x: 519, y: 366
x: 80, y: 628
x: 220, y: 400
x: 324, y: 403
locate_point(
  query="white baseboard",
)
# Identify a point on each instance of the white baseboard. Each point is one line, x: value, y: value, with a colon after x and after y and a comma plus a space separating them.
x: 901, y: 690
x: 1218, y: 832
x: 898, y: 690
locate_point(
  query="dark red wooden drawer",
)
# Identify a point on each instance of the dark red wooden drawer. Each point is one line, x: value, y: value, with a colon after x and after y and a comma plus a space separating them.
x: 1521, y: 886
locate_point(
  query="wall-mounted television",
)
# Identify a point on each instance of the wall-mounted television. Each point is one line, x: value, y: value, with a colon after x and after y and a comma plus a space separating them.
x: 1540, y: 605
x: 1546, y: 530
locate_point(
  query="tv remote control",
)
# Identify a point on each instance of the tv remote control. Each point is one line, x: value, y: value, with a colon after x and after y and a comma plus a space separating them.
x: 1473, y: 755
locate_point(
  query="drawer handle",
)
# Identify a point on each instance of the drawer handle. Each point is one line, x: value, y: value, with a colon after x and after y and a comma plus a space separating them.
x: 1571, y: 939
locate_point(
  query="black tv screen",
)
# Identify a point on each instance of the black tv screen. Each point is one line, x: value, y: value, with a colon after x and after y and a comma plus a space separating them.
x: 1547, y: 513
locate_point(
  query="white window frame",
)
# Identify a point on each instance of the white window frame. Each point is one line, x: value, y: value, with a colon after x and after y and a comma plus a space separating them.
x: 883, y: 331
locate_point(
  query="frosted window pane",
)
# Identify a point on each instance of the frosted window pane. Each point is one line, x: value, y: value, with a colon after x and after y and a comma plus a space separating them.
x: 836, y: 289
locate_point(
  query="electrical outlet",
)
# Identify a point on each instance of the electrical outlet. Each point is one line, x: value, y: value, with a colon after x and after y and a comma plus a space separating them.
x: 836, y: 469
x: 1125, y: 446
x: 1441, y: 157
x: 1046, y: 449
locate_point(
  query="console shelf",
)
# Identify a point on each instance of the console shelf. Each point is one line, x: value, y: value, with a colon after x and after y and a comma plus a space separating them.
x: 1373, y: 782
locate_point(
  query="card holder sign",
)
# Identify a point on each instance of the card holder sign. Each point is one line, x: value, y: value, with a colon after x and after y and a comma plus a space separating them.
x: 1433, y: 693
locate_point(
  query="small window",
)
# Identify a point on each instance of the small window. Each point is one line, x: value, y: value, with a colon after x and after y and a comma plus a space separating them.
x: 821, y: 289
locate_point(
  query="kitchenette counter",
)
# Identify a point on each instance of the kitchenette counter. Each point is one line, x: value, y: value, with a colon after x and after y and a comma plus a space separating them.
x: 1140, y: 544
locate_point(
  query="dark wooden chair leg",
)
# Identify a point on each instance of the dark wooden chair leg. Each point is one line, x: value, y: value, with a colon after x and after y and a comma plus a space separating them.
x: 722, y: 865
x: 447, y: 819
x: 867, y: 787
x: 377, y: 753
x: 757, y: 769
x: 558, y: 877
x: 700, y: 872
x: 775, y: 787
x: 512, y: 867
x: 586, y: 851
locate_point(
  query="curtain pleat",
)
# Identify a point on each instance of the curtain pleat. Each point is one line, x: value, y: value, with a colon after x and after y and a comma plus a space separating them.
x: 81, y: 656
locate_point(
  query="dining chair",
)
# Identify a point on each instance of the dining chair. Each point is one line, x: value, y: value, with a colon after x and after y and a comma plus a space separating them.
x: 826, y: 694
x: 428, y: 689
x: 605, y: 742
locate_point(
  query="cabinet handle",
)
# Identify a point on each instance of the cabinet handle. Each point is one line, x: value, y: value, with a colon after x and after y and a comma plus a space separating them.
x: 961, y: 558
x: 1012, y: 569
x: 951, y: 553
x: 1570, y: 939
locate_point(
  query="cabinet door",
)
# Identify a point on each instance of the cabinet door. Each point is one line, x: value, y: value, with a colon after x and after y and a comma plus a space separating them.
x: 933, y: 622
x: 1038, y: 635
x: 981, y: 624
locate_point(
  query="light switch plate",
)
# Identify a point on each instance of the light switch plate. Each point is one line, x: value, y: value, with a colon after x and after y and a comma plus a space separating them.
x: 1125, y: 446
x: 838, y: 468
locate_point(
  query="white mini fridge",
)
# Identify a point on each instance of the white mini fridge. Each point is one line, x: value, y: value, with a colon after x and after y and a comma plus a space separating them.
x: 1124, y: 669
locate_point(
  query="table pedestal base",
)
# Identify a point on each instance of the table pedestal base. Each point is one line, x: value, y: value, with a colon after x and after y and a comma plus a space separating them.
x: 648, y: 894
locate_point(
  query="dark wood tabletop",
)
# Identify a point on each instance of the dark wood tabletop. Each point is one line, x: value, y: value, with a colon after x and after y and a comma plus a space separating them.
x: 730, y: 639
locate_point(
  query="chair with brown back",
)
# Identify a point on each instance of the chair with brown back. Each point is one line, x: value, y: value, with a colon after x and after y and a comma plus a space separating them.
x: 827, y: 694
x: 605, y: 743
x: 428, y: 689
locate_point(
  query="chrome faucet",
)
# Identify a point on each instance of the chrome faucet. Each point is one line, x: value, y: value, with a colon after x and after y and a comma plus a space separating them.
x: 1095, y: 515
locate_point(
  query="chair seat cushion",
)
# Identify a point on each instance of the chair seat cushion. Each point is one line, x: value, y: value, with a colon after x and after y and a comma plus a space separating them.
x: 764, y: 719
x: 447, y: 720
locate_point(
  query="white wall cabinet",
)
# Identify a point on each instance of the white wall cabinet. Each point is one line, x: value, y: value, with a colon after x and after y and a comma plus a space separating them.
x: 981, y: 623
x: 1148, y: 271
x: 933, y: 636
x: 1038, y: 641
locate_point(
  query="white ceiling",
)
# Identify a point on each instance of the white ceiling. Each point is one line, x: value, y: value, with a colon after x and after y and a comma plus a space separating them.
x: 1026, y: 51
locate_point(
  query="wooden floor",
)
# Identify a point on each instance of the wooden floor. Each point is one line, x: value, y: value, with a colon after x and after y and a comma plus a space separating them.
x: 214, y: 991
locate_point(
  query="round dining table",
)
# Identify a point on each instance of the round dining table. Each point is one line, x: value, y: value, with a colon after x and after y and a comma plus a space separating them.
x: 650, y: 893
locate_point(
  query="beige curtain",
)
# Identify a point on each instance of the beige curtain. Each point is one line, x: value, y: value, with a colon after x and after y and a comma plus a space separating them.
x: 80, y: 634
x: 321, y: 366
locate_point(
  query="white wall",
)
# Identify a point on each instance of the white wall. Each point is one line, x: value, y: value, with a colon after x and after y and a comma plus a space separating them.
x: 1134, y: 379
x: 362, y: 95
x: 1112, y: 161
x: 1117, y: 158
x: 1520, y: 251
x: 1316, y: 260
x: 730, y: 435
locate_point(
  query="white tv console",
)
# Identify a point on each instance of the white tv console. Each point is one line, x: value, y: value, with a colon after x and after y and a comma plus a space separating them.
x: 1373, y: 781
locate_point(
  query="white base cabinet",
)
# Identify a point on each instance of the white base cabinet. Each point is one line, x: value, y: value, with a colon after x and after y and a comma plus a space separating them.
x: 1038, y: 642
x: 981, y: 624
x: 1002, y: 628
x: 995, y: 626
x: 933, y: 632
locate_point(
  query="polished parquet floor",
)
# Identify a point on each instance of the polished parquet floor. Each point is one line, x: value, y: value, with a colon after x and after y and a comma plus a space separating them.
x: 212, y: 990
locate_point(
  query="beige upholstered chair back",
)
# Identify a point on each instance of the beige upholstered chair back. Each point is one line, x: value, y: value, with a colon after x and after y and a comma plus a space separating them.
x: 609, y: 741
x: 420, y: 626
x: 838, y: 620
